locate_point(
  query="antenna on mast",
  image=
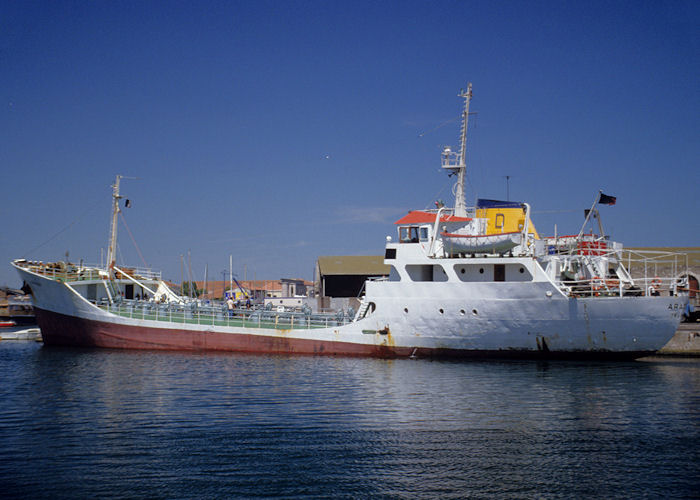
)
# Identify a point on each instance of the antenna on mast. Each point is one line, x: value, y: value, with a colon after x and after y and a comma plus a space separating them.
x: 456, y: 163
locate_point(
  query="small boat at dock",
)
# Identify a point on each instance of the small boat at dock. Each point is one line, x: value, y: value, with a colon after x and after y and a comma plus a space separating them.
x: 15, y: 332
x: 17, y: 321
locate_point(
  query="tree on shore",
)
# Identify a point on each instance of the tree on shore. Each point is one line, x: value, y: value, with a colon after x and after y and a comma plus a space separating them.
x: 190, y: 285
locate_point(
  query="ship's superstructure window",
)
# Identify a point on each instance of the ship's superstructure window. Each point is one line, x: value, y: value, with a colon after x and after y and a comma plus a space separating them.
x: 424, y: 234
x: 492, y: 272
x: 426, y: 272
x: 408, y: 234
x: 394, y: 275
x: 420, y: 272
x: 499, y: 272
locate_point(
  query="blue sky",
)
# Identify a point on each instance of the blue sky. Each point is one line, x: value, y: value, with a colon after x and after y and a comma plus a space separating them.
x: 279, y: 131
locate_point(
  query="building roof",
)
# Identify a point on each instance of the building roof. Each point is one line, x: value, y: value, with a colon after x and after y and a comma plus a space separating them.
x: 360, y: 265
x: 216, y: 288
x: 692, y: 252
x: 267, y: 285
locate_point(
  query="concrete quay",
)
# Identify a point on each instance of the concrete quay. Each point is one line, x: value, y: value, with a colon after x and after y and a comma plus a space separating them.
x: 686, y: 341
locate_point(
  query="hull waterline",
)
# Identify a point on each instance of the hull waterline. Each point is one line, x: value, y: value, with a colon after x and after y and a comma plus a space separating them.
x: 62, y: 330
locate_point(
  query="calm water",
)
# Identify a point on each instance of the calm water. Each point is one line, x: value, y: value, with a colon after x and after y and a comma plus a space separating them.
x: 124, y: 424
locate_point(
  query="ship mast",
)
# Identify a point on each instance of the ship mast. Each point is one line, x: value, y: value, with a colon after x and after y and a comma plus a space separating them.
x: 456, y: 163
x: 111, y: 249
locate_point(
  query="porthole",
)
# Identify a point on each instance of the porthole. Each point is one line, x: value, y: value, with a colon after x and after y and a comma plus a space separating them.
x: 405, y: 309
x: 462, y: 270
x: 475, y: 312
x: 522, y: 270
x: 481, y: 270
x: 461, y: 311
x: 442, y: 311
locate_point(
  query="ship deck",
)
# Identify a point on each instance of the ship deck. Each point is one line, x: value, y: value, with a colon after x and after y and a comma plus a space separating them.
x: 214, y: 316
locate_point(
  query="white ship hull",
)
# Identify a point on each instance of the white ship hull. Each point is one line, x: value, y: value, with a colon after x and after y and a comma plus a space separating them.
x: 419, y: 319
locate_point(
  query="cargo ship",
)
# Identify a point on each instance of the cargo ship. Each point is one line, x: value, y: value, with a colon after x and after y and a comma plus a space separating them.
x: 464, y: 282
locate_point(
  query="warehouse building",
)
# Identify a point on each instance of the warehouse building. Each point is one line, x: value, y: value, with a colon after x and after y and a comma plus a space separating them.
x: 345, y: 275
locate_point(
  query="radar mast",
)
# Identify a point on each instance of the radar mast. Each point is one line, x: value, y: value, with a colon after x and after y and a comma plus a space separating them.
x: 455, y: 162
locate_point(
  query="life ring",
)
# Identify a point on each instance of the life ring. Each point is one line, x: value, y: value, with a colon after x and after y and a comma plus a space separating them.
x: 596, y: 285
x: 612, y: 283
x: 656, y: 283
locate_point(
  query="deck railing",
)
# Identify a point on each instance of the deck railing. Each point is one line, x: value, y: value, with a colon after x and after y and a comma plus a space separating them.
x: 220, y: 315
x: 653, y: 273
x: 82, y: 272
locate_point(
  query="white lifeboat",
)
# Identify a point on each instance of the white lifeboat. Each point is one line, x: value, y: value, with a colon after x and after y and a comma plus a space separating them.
x: 480, y: 243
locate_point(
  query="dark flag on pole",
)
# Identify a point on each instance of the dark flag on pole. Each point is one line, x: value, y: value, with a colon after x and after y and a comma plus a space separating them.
x: 128, y: 203
x: 607, y: 200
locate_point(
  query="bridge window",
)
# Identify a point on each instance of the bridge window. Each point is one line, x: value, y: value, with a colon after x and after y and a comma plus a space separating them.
x: 408, y: 234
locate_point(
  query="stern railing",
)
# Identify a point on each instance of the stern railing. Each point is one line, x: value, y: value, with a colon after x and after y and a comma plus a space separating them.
x: 648, y: 273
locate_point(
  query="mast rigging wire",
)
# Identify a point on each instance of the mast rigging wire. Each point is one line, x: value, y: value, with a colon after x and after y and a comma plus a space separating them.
x: 89, y: 209
x: 132, y: 239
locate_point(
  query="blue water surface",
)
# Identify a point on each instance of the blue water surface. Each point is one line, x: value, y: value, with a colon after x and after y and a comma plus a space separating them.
x: 83, y: 423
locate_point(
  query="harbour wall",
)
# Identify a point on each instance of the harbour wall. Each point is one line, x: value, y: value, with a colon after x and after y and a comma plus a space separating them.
x: 686, y: 341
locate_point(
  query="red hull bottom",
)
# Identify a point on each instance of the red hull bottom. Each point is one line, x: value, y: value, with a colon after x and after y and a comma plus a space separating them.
x: 63, y: 330
x: 59, y: 329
